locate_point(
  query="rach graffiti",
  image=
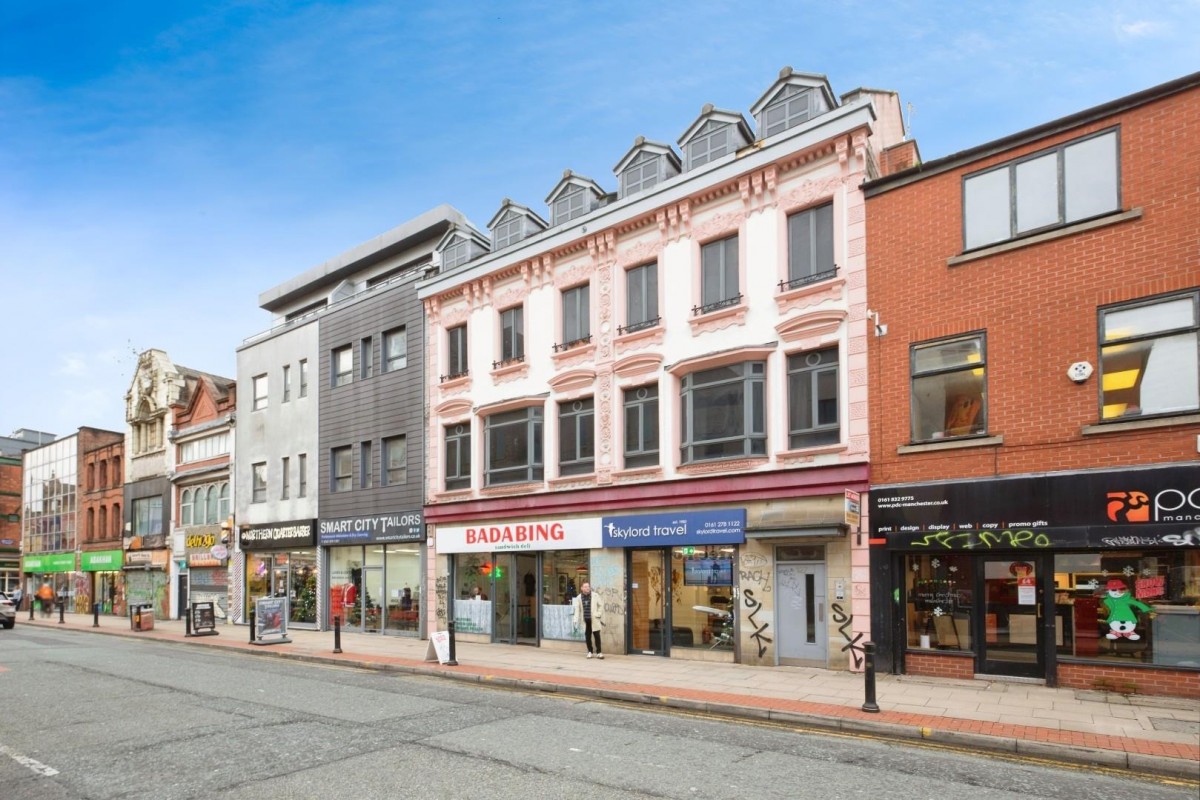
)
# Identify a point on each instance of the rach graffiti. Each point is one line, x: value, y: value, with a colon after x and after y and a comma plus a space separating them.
x: 754, y: 561
x: 967, y: 540
x: 843, y: 621
x: 759, y: 635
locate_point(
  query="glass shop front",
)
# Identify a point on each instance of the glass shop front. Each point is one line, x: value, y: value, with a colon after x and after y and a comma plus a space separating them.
x: 374, y: 566
x: 281, y: 561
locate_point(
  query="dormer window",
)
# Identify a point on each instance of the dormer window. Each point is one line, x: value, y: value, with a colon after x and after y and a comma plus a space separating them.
x: 794, y: 105
x: 795, y: 98
x: 641, y: 175
x: 572, y: 204
x: 713, y: 141
x: 508, y: 231
x: 455, y: 254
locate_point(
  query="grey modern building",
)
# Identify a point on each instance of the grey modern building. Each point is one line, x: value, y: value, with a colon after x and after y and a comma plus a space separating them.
x: 329, y: 444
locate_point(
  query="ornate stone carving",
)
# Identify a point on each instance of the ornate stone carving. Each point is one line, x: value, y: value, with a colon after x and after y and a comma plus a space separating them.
x: 808, y: 296
x: 574, y: 381
x: 638, y: 366
x: 639, y: 340
x: 573, y: 276
x: 722, y: 223
x: 719, y: 320
x: 808, y: 193
x: 812, y: 328
x: 730, y: 466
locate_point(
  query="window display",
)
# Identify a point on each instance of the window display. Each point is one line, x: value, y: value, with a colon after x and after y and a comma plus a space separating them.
x: 701, y: 597
x: 939, y: 593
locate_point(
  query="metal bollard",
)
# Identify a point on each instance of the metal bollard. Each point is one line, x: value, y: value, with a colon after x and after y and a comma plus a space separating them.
x: 869, y: 679
x: 251, y: 626
x: 62, y: 610
x: 95, y: 615
x: 32, y: 601
x: 453, y: 662
x: 337, y: 634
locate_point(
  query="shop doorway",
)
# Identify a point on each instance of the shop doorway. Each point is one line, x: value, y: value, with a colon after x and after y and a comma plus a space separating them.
x: 1011, y: 642
x: 801, y: 611
x: 649, y: 619
x: 514, y: 598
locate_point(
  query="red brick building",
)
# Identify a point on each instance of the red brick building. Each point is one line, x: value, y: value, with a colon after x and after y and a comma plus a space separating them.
x: 101, y: 525
x: 1035, y: 402
x: 10, y: 522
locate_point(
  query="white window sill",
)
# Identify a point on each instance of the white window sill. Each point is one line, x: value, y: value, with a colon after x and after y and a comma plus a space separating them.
x: 1140, y: 424
x: 950, y: 444
x: 1057, y: 233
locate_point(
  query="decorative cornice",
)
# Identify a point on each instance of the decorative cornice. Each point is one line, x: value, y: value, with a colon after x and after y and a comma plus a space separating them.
x: 811, y: 295
x: 813, y: 327
x: 719, y: 319
x: 579, y: 354
x: 511, y: 404
x: 639, y: 340
x: 638, y: 366
x: 510, y: 372
x: 573, y: 381
x: 454, y: 407
x: 713, y: 360
x: 573, y: 276
x: 731, y: 465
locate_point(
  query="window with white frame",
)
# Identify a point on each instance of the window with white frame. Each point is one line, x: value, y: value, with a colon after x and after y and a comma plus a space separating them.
x: 456, y: 352
x: 207, y: 504
x: 641, y: 174
x: 342, y: 365
x: 723, y: 413
x: 718, y: 275
x: 303, y: 377
x: 949, y: 388
x: 641, y: 298
x: 341, y: 469
x: 512, y: 335
x: 810, y: 246
x: 147, y: 516
x: 514, y: 446
x: 1150, y: 357
x: 576, y: 437
x: 458, y: 456
x: 302, y: 475
x: 366, y: 465
x: 260, y: 392
x: 813, y: 398
x: 285, y: 478
x: 258, y: 482
x: 570, y: 204
x: 641, y: 426
x: 395, y: 349
x: 395, y: 460
x: 712, y: 141
x: 576, y: 316
x: 1068, y: 183
x: 287, y: 382
x: 205, y: 448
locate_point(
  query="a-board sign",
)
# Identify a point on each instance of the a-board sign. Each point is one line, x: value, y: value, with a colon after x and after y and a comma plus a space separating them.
x: 270, y: 619
x: 204, y: 619
x: 439, y: 647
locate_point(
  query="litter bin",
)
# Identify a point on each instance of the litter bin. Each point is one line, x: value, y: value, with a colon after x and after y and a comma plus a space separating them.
x: 141, y: 617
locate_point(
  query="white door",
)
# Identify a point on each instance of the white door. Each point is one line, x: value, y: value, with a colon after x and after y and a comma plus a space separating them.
x: 801, y: 612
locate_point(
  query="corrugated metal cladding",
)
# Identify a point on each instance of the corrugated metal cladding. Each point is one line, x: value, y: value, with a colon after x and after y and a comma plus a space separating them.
x: 371, y: 409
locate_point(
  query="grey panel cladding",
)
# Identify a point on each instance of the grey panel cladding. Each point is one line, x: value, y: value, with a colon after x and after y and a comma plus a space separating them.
x: 371, y: 409
x: 149, y: 487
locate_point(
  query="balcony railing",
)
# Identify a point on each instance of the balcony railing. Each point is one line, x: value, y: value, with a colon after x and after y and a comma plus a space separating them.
x: 453, y: 375
x: 564, y: 346
x: 716, y: 305
x: 805, y: 280
x: 504, y: 362
x: 634, y: 327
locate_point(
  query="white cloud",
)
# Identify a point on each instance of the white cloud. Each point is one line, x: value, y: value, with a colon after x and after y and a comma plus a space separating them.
x: 1139, y: 29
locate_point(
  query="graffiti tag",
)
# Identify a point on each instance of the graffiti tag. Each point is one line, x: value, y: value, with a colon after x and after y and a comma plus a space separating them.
x: 989, y: 539
x: 844, y: 621
x: 759, y: 635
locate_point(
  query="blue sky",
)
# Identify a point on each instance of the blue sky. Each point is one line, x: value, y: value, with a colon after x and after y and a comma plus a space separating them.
x: 163, y: 163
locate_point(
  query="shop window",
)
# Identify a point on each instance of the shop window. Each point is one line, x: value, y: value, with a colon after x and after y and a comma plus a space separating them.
x: 1150, y: 357
x: 641, y: 427
x: 1128, y: 607
x: 939, y: 601
x: 702, y: 597
x: 813, y: 399
x: 724, y: 413
x: 470, y: 601
x: 514, y: 446
x: 949, y: 388
x: 563, y: 572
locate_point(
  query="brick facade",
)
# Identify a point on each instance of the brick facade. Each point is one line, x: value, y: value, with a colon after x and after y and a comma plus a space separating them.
x: 960, y: 666
x: 1130, y: 680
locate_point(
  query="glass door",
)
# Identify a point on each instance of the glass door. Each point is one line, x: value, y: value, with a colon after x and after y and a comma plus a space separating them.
x: 1012, y: 643
x: 372, y: 598
x: 648, y: 619
x: 504, y: 599
x: 525, y: 595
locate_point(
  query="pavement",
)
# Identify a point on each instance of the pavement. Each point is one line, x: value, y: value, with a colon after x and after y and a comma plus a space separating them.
x: 1157, y: 735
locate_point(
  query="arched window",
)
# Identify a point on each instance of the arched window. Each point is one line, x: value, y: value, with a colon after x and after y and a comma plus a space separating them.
x: 103, y: 474
x: 103, y: 520
x: 116, y: 519
x: 224, y: 507
x: 185, y: 507
x: 210, y: 506
x: 91, y: 525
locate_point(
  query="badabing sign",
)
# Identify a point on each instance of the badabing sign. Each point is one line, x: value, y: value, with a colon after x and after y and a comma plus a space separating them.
x: 542, y: 534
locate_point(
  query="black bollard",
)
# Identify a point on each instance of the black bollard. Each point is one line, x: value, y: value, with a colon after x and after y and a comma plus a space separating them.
x: 337, y: 634
x: 32, y: 602
x: 251, y: 626
x: 62, y: 610
x: 95, y: 615
x: 187, y: 621
x: 453, y: 662
x: 869, y: 679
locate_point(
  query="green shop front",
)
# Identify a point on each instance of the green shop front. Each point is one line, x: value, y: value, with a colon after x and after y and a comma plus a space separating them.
x: 56, y: 569
x: 1088, y: 579
x: 103, y: 582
